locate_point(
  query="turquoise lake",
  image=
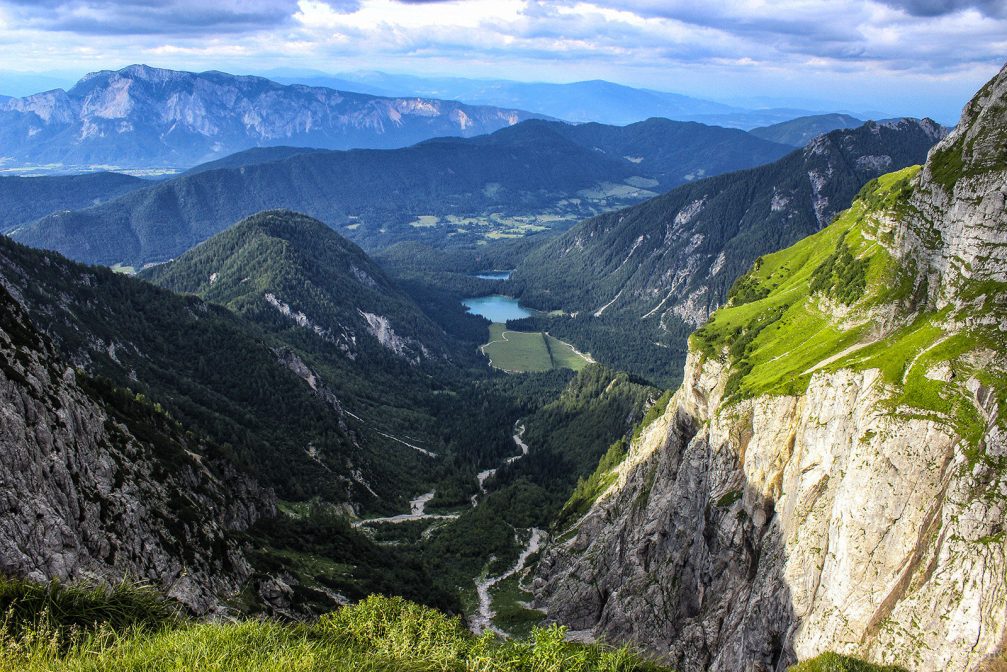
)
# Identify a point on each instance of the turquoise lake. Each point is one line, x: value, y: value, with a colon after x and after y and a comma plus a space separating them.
x: 497, y: 308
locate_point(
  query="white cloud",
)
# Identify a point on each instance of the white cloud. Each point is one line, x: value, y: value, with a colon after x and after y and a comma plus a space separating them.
x: 704, y: 48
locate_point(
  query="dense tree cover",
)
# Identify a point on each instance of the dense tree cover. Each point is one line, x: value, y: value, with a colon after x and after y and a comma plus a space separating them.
x: 798, y: 132
x: 567, y: 437
x: 25, y: 199
x: 310, y: 268
x: 676, y: 152
x: 213, y: 371
x: 652, y: 351
x: 436, y: 394
x: 326, y: 554
x: 517, y: 180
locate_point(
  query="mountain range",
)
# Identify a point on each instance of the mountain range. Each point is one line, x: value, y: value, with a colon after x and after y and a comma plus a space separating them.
x: 661, y: 267
x: 530, y: 177
x: 25, y: 199
x: 586, y: 101
x: 799, y: 132
x: 143, y: 117
x: 264, y: 425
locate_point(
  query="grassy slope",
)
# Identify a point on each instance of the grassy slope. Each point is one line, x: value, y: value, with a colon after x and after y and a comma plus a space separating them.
x: 778, y: 341
x: 76, y: 628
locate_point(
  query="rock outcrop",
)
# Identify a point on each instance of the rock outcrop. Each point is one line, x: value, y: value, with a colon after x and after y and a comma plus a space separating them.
x: 838, y: 488
x: 97, y: 484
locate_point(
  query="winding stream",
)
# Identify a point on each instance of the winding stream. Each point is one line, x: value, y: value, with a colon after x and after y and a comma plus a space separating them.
x: 483, y: 475
x: 483, y: 620
x: 417, y: 511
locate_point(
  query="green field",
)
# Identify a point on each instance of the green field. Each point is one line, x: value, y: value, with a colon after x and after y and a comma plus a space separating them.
x: 523, y: 352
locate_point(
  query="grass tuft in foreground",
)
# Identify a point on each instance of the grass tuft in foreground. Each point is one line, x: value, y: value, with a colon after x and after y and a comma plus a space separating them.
x: 66, y: 613
x: 378, y: 634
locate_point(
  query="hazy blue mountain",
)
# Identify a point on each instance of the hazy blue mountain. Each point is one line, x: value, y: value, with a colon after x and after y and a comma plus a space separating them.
x: 595, y: 100
x: 520, y: 180
x: 148, y: 117
x: 799, y: 132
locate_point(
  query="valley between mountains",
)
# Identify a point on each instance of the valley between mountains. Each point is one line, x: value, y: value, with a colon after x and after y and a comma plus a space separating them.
x: 265, y: 413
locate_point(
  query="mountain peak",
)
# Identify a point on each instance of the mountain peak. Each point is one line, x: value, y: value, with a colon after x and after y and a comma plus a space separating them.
x: 283, y: 223
x: 955, y: 218
x: 289, y: 271
x: 978, y: 143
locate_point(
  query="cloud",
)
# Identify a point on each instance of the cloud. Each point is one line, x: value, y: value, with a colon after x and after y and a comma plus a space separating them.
x: 992, y: 8
x: 140, y: 17
x: 657, y: 43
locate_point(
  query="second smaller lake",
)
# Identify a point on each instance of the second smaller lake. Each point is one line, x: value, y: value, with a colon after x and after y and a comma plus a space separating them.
x: 494, y: 275
x: 497, y: 308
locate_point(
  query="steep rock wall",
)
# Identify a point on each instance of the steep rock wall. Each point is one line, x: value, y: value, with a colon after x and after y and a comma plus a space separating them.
x: 82, y: 496
x: 749, y: 537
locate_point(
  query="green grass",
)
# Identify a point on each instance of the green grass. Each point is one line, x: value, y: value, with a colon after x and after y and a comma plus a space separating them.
x: 809, y: 308
x: 783, y: 328
x: 511, y: 616
x: 65, y: 612
x: 832, y: 662
x: 525, y: 352
x: 378, y: 634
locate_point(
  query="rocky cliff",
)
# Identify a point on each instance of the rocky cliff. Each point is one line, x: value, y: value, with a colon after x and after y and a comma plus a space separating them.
x: 832, y: 474
x: 98, y: 484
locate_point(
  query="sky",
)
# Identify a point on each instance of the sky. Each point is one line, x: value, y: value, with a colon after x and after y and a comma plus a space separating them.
x: 915, y: 57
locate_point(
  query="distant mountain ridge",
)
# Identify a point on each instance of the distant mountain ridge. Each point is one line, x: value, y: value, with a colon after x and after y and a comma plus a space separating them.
x: 23, y: 199
x: 529, y: 177
x: 585, y: 101
x: 665, y: 264
x: 141, y: 116
x: 799, y: 132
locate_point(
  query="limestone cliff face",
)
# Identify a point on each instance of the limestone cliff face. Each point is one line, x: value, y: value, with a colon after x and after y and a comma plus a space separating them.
x: 99, y: 487
x: 788, y: 526
x: 748, y: 533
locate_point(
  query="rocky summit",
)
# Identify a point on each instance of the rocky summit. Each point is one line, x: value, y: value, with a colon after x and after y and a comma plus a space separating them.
x: 832, y: 473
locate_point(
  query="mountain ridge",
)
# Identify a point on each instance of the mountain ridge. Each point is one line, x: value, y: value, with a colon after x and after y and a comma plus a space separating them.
x: 526, y: 178
x: 144, y: 117
x: 665, y: 264
x: 290, y: 255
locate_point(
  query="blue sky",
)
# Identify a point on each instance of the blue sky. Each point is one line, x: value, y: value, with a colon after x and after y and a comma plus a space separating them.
x: 920, y: 57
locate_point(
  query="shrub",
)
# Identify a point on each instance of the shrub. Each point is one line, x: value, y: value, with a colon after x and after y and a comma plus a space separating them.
x: 396, y: 628
x: 833, y: 662
x: 64, y: 611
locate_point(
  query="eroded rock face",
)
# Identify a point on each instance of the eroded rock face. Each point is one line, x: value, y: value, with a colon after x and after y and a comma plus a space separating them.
x: 748, y: 538
x: 747, y: 535
x: 958, y: 226
x: 82, y: 497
